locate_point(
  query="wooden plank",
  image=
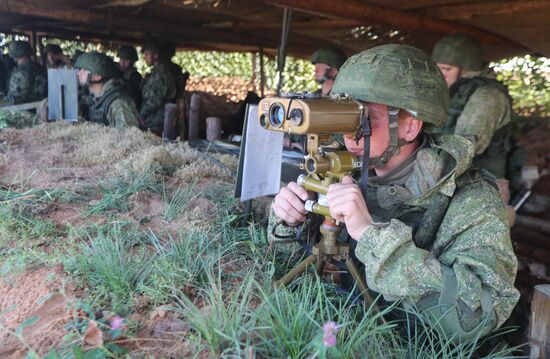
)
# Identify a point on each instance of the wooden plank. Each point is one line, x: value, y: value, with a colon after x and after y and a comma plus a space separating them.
x: 22, y: 106
x: 363, y: 11
x: 539, y: 333
x: 471, y: 10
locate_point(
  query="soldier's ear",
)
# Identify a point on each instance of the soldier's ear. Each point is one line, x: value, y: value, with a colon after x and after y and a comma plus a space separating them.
x: 409, y: 127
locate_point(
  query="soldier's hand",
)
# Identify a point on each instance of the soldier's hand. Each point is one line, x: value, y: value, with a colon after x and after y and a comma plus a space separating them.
x: 346, y: 204
x: 289, y: 204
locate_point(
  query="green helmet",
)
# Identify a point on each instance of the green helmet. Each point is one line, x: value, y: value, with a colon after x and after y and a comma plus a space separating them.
x: 53, y: 48
x: 396, y: 75
x: 18, y: 49
x: 459, y: 50
x: 152, y: 46
x: 330, y: 56
x: 127, y: 52
x: 97, y: 63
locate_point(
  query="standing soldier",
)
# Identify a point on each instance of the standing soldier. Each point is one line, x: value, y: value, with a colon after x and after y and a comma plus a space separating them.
x: 480, y: 107
x: 180, y: 77
x: 54, y: 57
x: 28, y: 81
x: 157, y: 90
x: 132, y: 78
x: 111, y: 104
x: 327, y: 61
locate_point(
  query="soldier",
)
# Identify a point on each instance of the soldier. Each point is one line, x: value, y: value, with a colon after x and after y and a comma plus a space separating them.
x: 54, y: 57
x: 28, y: 81
x: 157, y: 90
x: 431, y: 233
x: 132, y: 78
x: 180, y: 77
x: 480, y: 107
x: 327, y: 61
x: 111, y: 104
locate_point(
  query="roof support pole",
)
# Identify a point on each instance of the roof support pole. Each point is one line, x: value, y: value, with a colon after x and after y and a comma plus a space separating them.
x: 281, y: 56
x: 262, y: 72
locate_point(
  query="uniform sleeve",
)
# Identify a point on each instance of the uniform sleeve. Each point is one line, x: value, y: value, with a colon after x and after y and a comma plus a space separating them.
x: 122, y: 114
x: 153, y: 93
x: 486, y: 111
x: 470, y: 270
x: 18, y: 88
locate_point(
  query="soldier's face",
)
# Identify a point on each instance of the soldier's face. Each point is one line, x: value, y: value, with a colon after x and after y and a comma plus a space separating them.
x: 380, y: 138
x: 83, y: 76
x: 320, y: 71
x: 148, y: 56
x: 450, y: 72
x: 125, y: 64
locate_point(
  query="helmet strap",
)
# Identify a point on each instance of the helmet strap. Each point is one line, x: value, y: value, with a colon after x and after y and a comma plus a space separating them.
x: 395, y: 143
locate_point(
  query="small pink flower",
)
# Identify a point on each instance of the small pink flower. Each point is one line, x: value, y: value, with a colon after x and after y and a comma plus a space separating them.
x: 330, y: 329
x: 116, y: 322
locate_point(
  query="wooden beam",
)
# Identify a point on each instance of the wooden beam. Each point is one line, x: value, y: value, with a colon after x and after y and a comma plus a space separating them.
x: 310, y: 24
x: 470, y: 10
x: 117, y: 22
x: 361, y: 11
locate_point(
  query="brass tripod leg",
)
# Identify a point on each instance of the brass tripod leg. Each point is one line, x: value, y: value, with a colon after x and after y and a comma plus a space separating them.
x: 296, y: 271
x: 352, y: 268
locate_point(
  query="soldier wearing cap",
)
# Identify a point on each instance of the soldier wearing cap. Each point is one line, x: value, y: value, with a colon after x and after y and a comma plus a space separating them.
x: 127, y: 57
x: 158, y: 89
x: 327, y: 61
x: 111, y: 104
x: 432, y: 232
x: 28, y: 81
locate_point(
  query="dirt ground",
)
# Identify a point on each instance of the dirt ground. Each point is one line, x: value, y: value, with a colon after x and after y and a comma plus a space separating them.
x: 77, y: 158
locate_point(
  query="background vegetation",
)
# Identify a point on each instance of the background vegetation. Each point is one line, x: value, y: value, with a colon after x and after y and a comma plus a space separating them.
x: 527, y: 77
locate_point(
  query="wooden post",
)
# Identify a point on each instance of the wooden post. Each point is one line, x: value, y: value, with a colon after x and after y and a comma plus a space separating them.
x: 262, y: 72
x: 170, y: 118
x: 254, y: 77
x: 539, y: 333
x: 213, y: 128
x: 182, y: 118
x: 194, y: 109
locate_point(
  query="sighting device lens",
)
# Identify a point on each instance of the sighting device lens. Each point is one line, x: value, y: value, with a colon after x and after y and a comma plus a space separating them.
x: 276, y: 115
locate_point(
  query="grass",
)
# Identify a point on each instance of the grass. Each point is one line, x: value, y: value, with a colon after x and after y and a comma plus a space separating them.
x: 176, y: 203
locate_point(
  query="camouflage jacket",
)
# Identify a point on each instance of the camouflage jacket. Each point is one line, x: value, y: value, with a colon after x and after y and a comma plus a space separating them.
x: 132, y: 80
x: 115, y: 105
x: 441, y: 241
x: 158, y: 89
x: 27, y: 82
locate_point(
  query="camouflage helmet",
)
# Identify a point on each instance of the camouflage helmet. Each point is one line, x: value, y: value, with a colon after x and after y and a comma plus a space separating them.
x: 330, y: 56
x: 97, y: 63
x: 152, y: 46
x: 127, y: 52
x: 459, y: 50
x: 53, y: 48
x: 396, y: 75
x: 19, y: 49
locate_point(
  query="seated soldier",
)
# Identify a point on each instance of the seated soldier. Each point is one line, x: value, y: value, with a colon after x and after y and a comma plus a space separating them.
x: 132, y: 78
x: 327, y: 61
x: 111, y: 104
x: 28, y: 81
x: 431, y: 232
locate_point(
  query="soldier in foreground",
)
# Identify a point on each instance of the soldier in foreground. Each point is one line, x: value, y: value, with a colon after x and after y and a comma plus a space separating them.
x: 111, y: 104
x: 431, y: 233
x: 132, y: 78
x: 27, y: 81
x: 157, y: 90
x: 327, y: 61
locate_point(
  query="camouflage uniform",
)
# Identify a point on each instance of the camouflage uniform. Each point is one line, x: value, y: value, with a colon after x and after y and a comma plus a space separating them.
x: 157, y: 90
x: 114, y: 107
x: 480, y: 106
x: 440, y: 239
